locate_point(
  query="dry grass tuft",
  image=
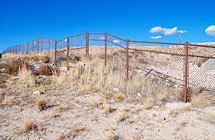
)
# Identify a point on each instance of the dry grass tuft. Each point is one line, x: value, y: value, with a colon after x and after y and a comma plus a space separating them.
x: 77, y: 128
x: 200, y: 101
x: 8, y: 100
x: 182, y: 123
x: 121, y: 116
x: 27, y: 125
x: 147, y: 107
x: 45, y: 59
x: 27, y: 77
x: 62, y: 136
x: 61, y: 108
x: 48, y: 70
x: 40, y: 103
x: 187, y: 108
x: 108, y: 108
x: 13, y: 67
x: 172, y: 112
x: 119, y: 96
x: 109, y: 136
x: 39, y: 127
x: 200, y: 61
x: 163, y: 96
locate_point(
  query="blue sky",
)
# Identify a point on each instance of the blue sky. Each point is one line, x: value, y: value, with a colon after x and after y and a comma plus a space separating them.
x: 24, y: 20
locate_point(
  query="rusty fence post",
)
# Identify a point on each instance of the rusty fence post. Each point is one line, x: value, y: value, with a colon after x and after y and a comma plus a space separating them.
x: 127, y: 58
x: 87, y: 45
x: 27, y: 47
x: 68, y: 51
x: 49, y: 47
x: 42, y: 46
x: 185, y: 94
x: 105, y: 48
x: 38, y: 45
x: 55, y: 53
x: 32, y: 46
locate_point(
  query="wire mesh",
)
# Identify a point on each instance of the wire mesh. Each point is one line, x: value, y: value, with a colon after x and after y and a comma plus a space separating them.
x: 162, y: 66
x: 201, y: 62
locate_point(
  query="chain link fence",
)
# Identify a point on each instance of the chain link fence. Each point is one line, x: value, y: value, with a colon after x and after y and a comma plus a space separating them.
x: 180, y: 70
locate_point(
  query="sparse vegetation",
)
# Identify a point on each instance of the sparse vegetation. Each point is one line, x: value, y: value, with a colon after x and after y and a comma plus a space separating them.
x: 13, y: 67
x: 27, y: 125
x: 200, y: 101
x: 40, y: 103
x: 121, y: 116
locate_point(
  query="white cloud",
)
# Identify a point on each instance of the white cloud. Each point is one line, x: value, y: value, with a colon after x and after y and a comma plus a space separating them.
x: 116, y: 41
x: 171, y: 31
x: 166, y: 31
x: 102, y: 38
x: 182, y: 31
x: 210, y: 30
x: 156, y: 37
x: 157, y: 29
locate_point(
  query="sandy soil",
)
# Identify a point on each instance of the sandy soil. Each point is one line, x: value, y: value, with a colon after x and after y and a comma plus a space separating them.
x: 98, y: 115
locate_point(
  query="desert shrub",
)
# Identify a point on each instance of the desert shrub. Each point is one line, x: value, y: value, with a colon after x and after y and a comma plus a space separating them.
x: 27, y: 77
x: 35, y: 58
x: 45, y: 59
x: 13, y: 67
x: 27, y: 125
x: 48, y: 70
x: 200, y: 100
x: 40, y: 103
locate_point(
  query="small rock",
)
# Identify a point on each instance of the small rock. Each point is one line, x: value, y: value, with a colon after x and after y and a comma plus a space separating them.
x: 177, y: 105
x: 14, y: 78
x: 116, y: 89
x: 138, y: 94
x: 37, y: 93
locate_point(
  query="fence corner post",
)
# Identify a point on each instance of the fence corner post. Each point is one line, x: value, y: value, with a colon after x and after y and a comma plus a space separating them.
x: 185, y: 94
x: 105, y: 48
x: 55, y: 52
x: 67, y: 50
x: 127, y: 58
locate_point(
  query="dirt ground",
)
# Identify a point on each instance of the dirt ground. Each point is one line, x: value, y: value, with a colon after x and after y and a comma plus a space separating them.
x: 52, y: 109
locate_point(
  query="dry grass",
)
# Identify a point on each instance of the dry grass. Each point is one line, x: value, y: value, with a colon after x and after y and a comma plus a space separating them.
x: 200, y: 101
x: 182, y: 123
x: 13, y: 67
x: 62, y: 136
x: 40, y: 127
x: 61, y: 108
x: 48, y: 70
x: 121, y: 116
x: 27, y: 125
x: 77, y: 128
x: 108, y: 108
x: 172, y: 112
x: 163, y: 96
x: 40, y: 103
x: 45, y: 59
x: 8, y: 100
x: 147, y: 107
x: 27, y: 77
x: 200, y: 61
x: 119, y: 96
x: 109, y: 135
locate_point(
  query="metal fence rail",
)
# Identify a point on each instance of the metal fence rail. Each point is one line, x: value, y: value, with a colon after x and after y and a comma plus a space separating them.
x: 186, y: 53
